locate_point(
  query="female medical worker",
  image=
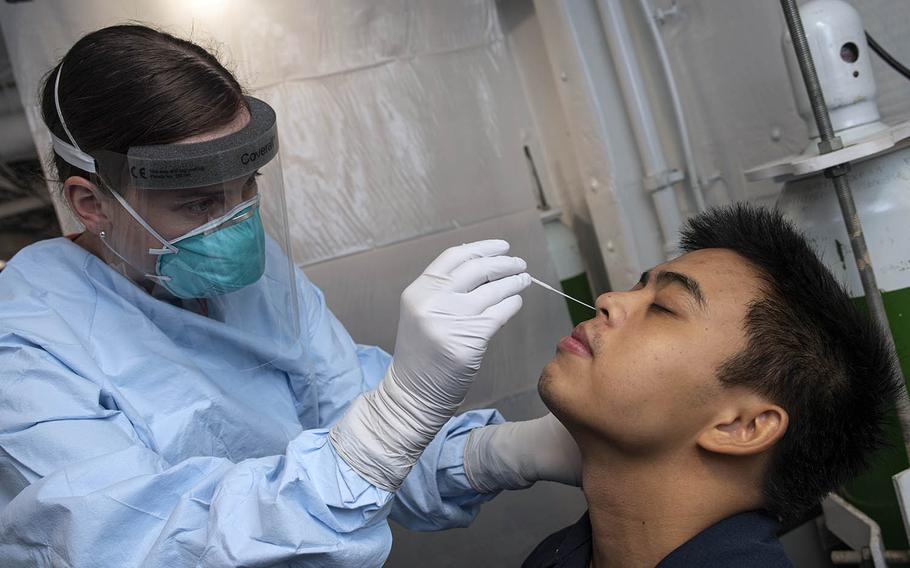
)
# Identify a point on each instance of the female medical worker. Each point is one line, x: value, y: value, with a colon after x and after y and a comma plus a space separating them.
x: 174, y: 392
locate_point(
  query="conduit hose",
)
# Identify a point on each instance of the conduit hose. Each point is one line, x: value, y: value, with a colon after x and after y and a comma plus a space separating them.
x: 830, y: 142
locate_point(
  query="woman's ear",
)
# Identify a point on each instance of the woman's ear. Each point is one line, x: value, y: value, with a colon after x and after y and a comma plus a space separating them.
x: 85, y: 200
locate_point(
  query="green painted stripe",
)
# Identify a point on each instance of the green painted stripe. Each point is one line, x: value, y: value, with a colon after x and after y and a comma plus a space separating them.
x: 873, y: 492
x: 577, y: 287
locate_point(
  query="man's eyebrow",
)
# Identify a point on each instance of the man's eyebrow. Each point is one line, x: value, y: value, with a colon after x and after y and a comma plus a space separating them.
x: 689, y: 284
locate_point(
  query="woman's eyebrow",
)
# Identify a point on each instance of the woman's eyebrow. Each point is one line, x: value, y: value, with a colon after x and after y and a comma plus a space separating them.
x: 199, y: 192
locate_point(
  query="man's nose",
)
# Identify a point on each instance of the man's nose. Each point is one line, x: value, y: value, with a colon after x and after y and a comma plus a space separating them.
x: 611, y: 309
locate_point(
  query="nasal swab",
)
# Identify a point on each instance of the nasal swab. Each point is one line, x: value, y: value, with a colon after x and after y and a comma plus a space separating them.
x: 552, y: 289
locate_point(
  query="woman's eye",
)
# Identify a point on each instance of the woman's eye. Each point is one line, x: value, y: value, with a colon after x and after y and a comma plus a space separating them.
x: 200, y: 206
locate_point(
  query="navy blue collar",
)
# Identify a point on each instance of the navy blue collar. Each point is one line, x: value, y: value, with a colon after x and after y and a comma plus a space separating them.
x: 745, y: 540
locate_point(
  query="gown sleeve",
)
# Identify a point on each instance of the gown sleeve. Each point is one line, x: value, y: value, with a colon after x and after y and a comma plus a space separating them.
x: 87, y: 491
x: 436, y: 494
x: 97, y: 496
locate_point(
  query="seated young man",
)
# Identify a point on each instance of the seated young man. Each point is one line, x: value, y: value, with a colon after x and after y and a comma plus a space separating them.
x: 733, y: 387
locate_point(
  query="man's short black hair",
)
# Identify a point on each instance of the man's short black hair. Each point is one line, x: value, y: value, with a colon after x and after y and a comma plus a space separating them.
x: 810, y: 350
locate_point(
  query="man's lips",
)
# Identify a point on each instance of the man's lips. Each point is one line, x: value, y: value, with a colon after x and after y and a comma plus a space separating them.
x: 577, y: 343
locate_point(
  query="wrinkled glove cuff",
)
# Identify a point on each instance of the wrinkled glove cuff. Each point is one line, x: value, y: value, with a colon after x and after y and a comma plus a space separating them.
x: 384, y: 432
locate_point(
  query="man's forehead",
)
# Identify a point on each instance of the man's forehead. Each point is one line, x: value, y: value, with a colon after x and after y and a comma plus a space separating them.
x: 718, y: 272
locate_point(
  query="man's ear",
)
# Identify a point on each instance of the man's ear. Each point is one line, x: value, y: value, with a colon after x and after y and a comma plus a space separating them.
x: 85, y: 200
x: 749, y: 425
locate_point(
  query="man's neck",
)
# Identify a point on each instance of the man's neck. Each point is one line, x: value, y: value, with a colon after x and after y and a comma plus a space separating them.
x: 641, y: 509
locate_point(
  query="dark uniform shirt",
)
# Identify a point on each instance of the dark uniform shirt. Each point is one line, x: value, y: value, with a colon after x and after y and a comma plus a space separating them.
x: 746, y: 540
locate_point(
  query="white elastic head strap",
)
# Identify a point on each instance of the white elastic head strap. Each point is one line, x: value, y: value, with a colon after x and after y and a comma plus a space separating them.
x: 72, y: 154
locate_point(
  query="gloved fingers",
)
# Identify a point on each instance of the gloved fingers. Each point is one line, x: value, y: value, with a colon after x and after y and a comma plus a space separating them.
x: 502, y: 312
x: 454, y: 257
x: 495, y: 292
x: 479, y: 271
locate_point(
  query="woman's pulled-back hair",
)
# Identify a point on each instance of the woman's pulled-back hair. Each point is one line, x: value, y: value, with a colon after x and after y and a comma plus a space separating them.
x: 130, y: 85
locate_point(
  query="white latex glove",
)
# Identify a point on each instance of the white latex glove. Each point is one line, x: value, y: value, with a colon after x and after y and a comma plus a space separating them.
x: 448, y: 316
x: 514, y: 455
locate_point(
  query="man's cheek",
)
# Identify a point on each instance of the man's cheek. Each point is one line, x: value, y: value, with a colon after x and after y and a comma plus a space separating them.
x: 559, y: 387
x: 567, y: 403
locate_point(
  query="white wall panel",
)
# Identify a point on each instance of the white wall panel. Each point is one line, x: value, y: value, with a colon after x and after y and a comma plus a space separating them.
x: 400, y: 149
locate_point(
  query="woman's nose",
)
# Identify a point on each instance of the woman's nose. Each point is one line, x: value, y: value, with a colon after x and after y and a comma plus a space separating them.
x: 232, y: 200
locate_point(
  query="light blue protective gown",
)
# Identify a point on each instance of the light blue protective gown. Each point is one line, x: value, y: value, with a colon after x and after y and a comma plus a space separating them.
x: 125, y: 442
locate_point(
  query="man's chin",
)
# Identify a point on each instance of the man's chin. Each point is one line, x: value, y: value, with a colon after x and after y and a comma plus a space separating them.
x: 547, y: 388
x: 545, y: 382
x: 560, y: 395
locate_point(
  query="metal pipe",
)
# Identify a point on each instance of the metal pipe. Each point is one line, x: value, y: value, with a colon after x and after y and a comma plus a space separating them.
x: 857, y: 557
x: 838, y: 175
x: 658, y: 178
x: 635, y: 95
x: 9, y: 98
x: 807, y: 68
x: 16, y: 142
x: 694, y: 180
x: 22, y: 205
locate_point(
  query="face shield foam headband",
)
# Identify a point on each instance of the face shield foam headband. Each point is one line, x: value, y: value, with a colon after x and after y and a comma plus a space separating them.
x: 222, y: 255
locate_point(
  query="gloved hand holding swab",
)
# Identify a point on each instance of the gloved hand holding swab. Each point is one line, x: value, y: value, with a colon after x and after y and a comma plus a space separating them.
x: 552, y: 289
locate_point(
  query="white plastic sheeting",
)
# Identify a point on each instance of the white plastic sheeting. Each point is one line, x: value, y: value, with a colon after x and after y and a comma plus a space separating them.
x: 402, y: 126
x: 400, y: 149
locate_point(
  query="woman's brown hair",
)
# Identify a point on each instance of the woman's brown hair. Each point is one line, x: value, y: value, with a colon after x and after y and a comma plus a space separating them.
x: 130, y: 85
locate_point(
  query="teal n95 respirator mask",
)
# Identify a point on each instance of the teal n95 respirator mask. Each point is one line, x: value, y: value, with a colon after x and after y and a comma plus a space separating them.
x: 221, y: 256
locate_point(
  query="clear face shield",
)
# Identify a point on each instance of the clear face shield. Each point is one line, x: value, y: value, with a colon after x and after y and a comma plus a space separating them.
x: 203, y: 226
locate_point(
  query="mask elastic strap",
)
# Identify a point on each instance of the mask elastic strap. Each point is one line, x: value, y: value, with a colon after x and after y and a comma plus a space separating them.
x: 103, y: 238
x: 154, y: 277
x: 158, y: 279
x: 167, y: 248
x: 70, y: 152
